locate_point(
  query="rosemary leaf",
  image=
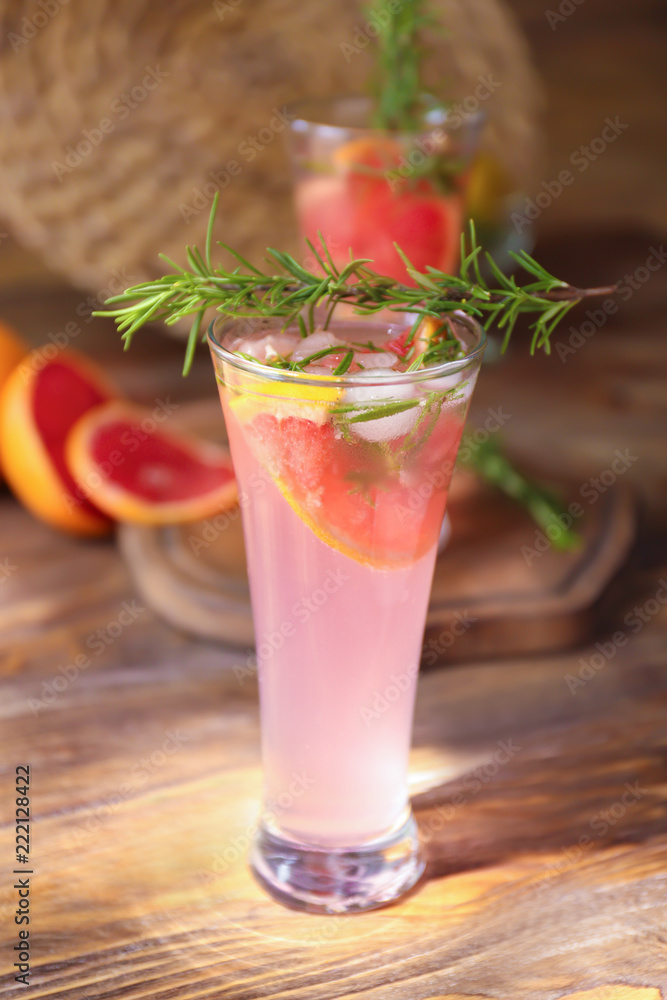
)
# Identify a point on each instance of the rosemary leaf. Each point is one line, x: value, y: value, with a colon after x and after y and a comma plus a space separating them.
x: 344, y: 364
x: 247, y: 292
x: 383, y: 410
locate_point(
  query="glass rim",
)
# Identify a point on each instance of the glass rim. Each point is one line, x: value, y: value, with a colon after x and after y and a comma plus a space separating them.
x: 296, y: 111
x: 257, y: 369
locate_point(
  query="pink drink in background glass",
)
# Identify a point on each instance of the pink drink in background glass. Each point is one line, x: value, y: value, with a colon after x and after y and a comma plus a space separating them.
x: 365, y: 189
x: 341, y: 521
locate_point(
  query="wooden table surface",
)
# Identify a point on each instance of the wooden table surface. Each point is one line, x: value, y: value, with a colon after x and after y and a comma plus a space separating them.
x: 547, y: 864
x: 547, y: 871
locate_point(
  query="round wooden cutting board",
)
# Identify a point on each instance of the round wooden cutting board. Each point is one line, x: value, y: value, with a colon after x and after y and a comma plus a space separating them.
x: 490, y: 596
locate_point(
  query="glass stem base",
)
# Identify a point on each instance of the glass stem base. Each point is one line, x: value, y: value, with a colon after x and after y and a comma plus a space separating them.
x: 338, y: 880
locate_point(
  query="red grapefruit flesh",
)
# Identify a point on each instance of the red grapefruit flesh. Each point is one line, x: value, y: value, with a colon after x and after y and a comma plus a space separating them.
x: 139, y: 472
x: 427, y: 227
x: 348, y: 494
x: 362, y: 212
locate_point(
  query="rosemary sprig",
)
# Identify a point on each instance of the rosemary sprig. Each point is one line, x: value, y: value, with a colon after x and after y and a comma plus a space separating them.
x: 293, y: 293
x: 426, y: 422
x: 487, y: 461
x: 398, y: 83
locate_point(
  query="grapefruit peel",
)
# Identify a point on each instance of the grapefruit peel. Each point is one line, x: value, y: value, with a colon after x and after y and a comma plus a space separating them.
x: 136, y: 487
x: 36, y: 403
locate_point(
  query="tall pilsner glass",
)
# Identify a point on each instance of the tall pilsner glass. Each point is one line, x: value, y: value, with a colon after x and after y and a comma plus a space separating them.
x: 341, y: 516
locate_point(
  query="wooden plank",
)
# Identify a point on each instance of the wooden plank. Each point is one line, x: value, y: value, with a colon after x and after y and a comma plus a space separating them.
x: 146, y: 786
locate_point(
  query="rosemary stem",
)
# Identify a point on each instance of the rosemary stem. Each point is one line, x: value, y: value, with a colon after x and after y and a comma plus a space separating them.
x: 295, y: 295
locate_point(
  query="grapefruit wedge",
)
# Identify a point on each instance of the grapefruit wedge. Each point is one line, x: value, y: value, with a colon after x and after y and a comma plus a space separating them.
x: 139, y: 472
x: 39, y: 403
x: 350, y: 493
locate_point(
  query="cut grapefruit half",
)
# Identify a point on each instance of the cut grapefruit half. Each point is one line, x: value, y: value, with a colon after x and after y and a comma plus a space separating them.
x: 39, y: 402
x: 139, y: 472
x: 12, y: 350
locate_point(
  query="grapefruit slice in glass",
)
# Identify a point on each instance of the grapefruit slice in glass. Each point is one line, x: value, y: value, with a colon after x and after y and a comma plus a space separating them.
x: 367, y: 206
x: 359, y: 497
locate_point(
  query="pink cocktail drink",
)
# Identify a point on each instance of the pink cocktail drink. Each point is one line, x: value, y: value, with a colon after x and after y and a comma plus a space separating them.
x: 365, y: 189
x: 345, y: 481
x: 335, y: 737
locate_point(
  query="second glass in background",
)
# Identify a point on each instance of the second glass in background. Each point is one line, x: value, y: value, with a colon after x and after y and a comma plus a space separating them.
x: 366, y: 188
